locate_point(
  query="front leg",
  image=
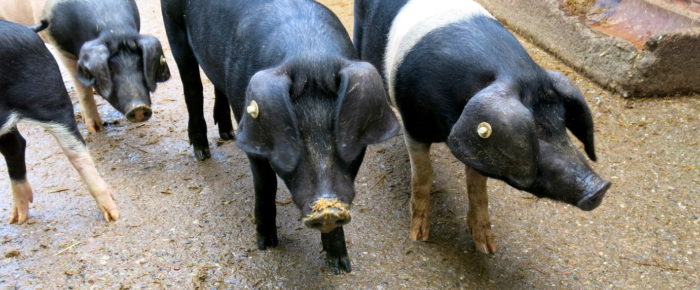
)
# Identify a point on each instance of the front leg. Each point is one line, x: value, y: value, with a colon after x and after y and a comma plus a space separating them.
x: 192, y: 85
x: 421, y: 182
x: 336, y: 251
x: 478, y: 217
x: 88, y: 107
x: 265, y: 209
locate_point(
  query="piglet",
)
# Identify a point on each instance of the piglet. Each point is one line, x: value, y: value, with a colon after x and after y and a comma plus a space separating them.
x: 100, y: 45
x: 32, y: 91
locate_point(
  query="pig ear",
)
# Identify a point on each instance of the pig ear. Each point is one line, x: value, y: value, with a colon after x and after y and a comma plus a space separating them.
x: 93, y: 67
x: 496, y: 136
x: 155, y: 68
x: 578, y: 115
x: 363, y: 115
x: 269, y: 127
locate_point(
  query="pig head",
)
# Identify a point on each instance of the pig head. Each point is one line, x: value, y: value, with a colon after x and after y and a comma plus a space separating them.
x: 523, y: 141
x: 124, y: 70
x: 315, y: 138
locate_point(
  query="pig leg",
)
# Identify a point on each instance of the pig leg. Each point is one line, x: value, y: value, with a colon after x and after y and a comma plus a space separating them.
x: 74, y: 148
x: 88, y: 107
x: 265, y: 208
x: 12, y: 146
x: 421, y: 182
x: 192, y: 84
x: 222, y: 116
x: 336, y: 251
x: 478, y: 217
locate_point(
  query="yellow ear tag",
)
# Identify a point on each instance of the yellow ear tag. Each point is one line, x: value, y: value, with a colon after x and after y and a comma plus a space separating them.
x: 484, y: 130
x: 162, y: 59
x: 253, y: 109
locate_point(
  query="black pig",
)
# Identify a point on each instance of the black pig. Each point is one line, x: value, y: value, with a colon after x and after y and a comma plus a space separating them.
x: 306, y: 109
x: 458, y: 76
x: 32, y: 91
x: 101, y: 46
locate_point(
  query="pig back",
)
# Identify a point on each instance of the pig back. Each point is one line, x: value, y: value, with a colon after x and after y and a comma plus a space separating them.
x: 233, y: 40
x: 74, y: 22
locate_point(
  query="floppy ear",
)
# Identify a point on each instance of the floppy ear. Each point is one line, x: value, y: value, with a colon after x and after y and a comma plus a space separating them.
x: 155, y: 68
x: 496, y: 136
x: 269, y: 127
x: 578, y: 115
x: 363, y: 115
x: 93, y: 67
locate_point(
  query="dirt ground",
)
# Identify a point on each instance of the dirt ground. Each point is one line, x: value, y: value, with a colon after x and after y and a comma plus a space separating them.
x: 189, y: 224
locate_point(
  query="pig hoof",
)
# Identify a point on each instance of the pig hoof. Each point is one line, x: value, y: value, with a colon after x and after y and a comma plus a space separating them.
x: 110, y: 214
x: 420, y: 228
x: 483, y: 239
x: 202, y: 153
x: 20, y: 213
x: 267, y: 241
x: 226, y: 136
x: 108, y: 207
x: 94, y: 125
x: 22, y: 196
x: 339, y: 265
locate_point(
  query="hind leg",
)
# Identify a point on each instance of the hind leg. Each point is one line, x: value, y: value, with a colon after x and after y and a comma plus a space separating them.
x: 74, y: 148
x: 12, y: 147
x: 191, y: 83
x: 222, y: 116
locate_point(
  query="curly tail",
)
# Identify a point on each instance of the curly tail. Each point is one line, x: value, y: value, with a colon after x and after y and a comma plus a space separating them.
x: 39, y: 27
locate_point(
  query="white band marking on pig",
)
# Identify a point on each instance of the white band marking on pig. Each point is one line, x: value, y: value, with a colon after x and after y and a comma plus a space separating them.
x: 64, y: 137
x: 415, y: 20
x: 12, y: 120
x: 62, y: 134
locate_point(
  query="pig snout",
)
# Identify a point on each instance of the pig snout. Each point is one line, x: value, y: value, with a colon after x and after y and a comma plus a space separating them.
x: 327, y: 214
x: 138, y: 113
x: 594, y: 196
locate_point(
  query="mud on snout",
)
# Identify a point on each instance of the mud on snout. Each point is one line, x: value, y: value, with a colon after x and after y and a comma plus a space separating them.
x: 327, y: 214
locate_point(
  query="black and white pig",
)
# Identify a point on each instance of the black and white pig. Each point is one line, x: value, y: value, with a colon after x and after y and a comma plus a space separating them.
x: 100, y: 44
x: 306, y: 109
x: 458, y: 76
x: 32, y: 91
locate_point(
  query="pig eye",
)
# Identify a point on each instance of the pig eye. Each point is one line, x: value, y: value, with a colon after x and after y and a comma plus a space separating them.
x: 484, y: 130
x: 253, y: 109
